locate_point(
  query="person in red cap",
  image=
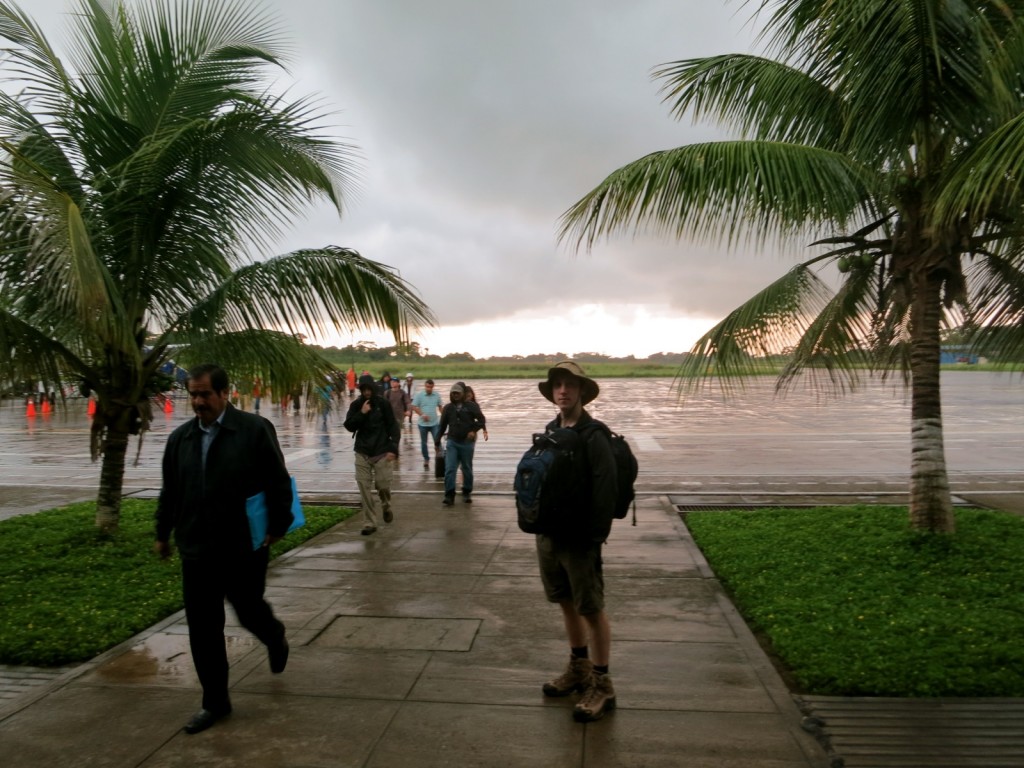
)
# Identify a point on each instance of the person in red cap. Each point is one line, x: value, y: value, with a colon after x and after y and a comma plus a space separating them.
x: 570, y: 565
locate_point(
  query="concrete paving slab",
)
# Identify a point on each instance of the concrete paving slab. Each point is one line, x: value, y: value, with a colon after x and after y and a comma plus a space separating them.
x: 296, y: 608
x: 318, y: 670
x: 673, y: 739
x: 89, y: 725
x: 440, y: 735
x: 696, y: 676
x: 496, y: 670
x: 684, y: 623
x: 378, y: 565
x: 283, y: 732
x: 394, y: 633
x: 386, y: 581
x: 161, y: 659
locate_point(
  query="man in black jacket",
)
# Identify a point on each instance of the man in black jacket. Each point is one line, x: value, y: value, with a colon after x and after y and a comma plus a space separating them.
x: 570, y: 565
x: 462, y: 421
x: 211, y: 465
x: 377, y: 433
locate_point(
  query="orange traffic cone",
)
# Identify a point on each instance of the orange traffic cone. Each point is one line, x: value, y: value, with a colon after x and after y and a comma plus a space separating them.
x: 91, y: 408
x: 31, y: 409
x: 168, y: 405
x: 46, y: 405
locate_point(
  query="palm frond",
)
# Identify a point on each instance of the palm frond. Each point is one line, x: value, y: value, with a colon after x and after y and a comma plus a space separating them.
x: 331, y: 288
x: 997, y: 306
x: 279, y: 360
x: 836, y: 341
x: 765, y: 100
x: 937, y: 67
x: 29, y: 354
x: 721, y: 190
x: 32, y: 61
x: 766, y: 325
x: 986, y: 178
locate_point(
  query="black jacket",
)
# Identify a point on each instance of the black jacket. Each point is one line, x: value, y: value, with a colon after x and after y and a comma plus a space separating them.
x: 459, y: 419
x: 376, y: 432
x: 603, y: 487
x: 206, y: 510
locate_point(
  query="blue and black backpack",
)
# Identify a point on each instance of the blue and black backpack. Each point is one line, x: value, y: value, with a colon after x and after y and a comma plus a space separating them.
x: 552, y: 483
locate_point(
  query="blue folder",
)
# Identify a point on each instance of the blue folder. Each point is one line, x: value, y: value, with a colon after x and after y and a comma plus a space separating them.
x: 256, y: 509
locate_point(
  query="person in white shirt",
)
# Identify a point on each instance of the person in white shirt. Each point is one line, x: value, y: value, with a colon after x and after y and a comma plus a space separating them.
x: 427, y: 405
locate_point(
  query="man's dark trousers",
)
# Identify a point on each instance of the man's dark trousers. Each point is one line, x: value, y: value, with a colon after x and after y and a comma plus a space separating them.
x: 206, y: 582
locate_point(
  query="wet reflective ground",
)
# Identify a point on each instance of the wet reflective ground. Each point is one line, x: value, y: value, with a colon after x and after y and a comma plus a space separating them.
x: 754, y: 440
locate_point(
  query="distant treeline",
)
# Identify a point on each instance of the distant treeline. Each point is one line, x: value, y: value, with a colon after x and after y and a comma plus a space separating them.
x: 400, y: 360
x: 413, y: 353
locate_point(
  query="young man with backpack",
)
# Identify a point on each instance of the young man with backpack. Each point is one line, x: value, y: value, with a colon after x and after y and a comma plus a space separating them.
x: 570, y: 555
x: 377, y: 433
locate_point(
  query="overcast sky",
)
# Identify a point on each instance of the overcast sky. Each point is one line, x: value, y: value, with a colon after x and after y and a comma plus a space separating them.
x: 480, y: 123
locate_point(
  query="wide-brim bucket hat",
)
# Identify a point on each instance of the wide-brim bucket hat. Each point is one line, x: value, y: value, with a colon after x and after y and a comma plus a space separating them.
x: 588, y: 387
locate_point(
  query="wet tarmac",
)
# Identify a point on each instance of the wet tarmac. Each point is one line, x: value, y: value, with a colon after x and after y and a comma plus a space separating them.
x: 706, y: 451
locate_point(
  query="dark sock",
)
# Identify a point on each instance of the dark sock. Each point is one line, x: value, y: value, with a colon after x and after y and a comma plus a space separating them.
x: 601, y: 670
x: 581, y: 653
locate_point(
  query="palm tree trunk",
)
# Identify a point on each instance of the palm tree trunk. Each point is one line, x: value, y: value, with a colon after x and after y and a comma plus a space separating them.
x: 931, y: 506
x: 108, y: 501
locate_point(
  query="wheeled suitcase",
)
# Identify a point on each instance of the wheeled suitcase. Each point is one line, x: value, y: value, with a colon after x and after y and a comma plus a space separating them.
x: 439, y: 463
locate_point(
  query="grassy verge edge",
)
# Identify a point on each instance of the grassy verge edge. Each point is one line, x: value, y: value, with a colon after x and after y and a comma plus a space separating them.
x: 853, y: 602
x: 69, y: 594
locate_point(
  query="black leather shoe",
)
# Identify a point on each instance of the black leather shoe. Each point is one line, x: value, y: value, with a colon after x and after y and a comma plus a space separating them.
x: 204, y: 718
x: 278, y: 655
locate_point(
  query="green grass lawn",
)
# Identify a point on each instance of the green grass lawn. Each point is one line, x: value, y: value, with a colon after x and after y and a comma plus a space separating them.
x: 852, y: 602
x: 68, y: 594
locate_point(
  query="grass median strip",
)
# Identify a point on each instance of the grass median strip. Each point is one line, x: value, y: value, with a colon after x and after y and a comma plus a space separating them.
x: 853, y: 602
x: 68, y: 594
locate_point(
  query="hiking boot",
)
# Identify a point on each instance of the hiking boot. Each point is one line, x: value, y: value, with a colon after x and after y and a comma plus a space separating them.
x: 597, y: 699
x: 466, y: 497
x: 575, y: 678
x: 388, y: 514
x: 448, y: 500
x: 368, y: 529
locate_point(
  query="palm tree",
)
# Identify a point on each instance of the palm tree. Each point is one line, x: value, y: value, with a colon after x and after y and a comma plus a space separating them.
x: 889, y: 132
x: 137, y: 186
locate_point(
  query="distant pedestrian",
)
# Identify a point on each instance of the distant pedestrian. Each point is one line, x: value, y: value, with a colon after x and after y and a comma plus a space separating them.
x: 211, y: 465
x: 461, y: 421
x: 399, y: 401
x: 350, y: 379
x: 377, y: 433
x: 427, y: 405
x: 409, y: 388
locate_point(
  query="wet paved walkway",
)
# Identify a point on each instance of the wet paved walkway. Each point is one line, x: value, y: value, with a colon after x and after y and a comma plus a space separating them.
x: 365, y: 685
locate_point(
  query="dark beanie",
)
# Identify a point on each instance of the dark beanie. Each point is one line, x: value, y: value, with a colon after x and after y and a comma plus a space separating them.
x: 366, y: 381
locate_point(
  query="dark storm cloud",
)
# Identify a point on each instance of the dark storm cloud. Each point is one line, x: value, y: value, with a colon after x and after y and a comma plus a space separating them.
x: 481, y: 122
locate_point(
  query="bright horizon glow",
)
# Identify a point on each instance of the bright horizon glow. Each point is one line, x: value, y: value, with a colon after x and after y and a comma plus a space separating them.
x: 616, y: 330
